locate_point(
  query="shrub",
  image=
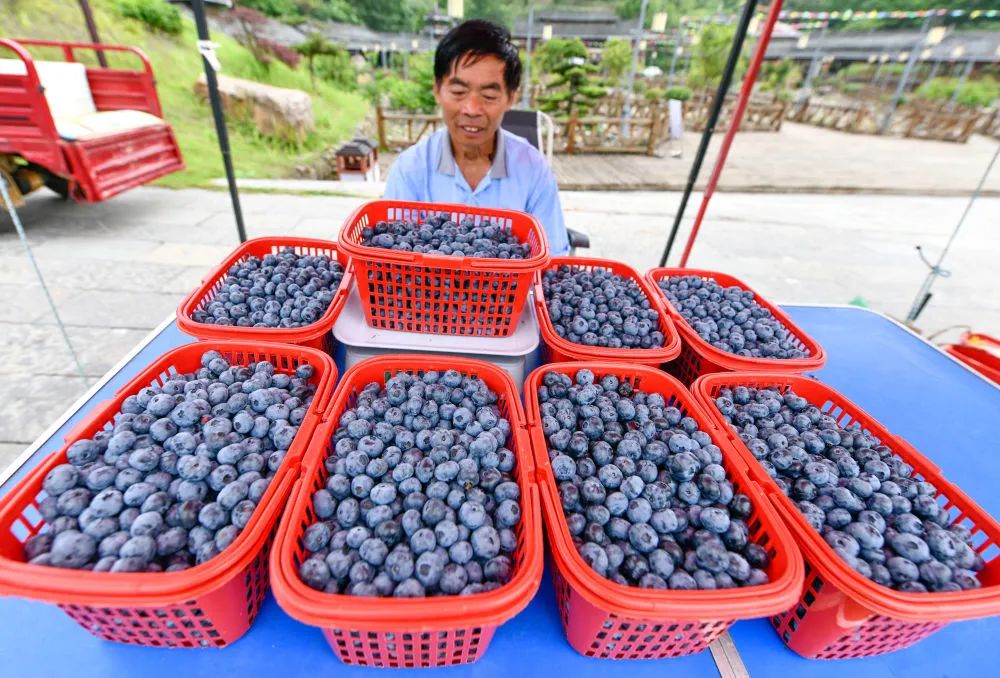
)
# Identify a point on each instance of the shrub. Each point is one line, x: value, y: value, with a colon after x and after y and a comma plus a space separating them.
x: 654, y: 95
x: 156, y: 14
x: 679, y: 93
x: 285, y: 55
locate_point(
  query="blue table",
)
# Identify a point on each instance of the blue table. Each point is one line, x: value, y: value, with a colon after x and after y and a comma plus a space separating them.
x: 903, y: 381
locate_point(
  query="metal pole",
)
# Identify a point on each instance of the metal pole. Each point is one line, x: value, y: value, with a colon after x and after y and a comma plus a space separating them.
x: 9, y: 203
x: 903, y: 81
x: 88, y: 17
x: 925, y: 290
x: 713, y: 116
x: 734, y: 124
x: 631, y: 69
x: 934, y: 69
x: 961, y: 83
x: 813, y: 66
x: 198, y: 7
x: 526, y: 92
x: 677, y: 47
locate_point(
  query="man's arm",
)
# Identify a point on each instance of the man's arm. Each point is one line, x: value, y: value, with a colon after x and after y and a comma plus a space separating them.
x: 544, y: 205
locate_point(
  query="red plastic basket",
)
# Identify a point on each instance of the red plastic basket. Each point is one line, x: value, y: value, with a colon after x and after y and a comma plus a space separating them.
x: 480, y: 297
x: 421, y: 632
x: 314, y: 335
x: 210, y: 605
x: 699, y: 357
x: 843, y: 614
x: 558, y: 349
x: 607, y: 620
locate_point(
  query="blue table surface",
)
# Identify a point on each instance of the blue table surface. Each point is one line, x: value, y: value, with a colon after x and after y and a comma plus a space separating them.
x: 914, y: 389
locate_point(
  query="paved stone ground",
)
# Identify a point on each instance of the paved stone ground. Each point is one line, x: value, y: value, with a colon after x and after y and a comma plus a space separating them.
x: 799, y: 158
x: 117, y: 269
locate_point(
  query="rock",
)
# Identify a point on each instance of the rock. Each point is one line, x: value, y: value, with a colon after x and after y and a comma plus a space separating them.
x: 274, y: 111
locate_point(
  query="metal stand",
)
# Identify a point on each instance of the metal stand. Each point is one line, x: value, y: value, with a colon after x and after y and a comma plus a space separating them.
x: 713, y: 118
x: 924, y: 295
x: 9, y: 204
x: 208, y: 57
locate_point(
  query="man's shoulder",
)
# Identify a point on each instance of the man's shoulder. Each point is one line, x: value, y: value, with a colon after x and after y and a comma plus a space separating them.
x: 521, y: 150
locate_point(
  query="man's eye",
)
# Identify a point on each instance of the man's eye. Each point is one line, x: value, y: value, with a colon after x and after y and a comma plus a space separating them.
x: 490, y: 98
x: 458, y: 92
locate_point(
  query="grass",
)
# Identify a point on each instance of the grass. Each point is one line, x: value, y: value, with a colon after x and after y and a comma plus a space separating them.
x: 177, y: 65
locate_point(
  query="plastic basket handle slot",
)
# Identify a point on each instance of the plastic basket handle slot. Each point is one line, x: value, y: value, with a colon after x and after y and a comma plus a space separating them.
x: 851, y: 613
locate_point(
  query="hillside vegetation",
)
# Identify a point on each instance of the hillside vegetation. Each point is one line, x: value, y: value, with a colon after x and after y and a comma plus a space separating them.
x: 177, y: 65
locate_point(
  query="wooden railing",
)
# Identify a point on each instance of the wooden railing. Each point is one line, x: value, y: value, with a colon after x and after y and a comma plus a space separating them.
x: 921, y: 122
x: 764, y: 113
x: 857, y: 118
x: 398, y: 130
x: 605, y: 134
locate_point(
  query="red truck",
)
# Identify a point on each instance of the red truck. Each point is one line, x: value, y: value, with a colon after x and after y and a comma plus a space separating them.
x: 83, y: 131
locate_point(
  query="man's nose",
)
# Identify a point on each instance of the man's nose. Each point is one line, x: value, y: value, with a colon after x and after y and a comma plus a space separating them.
x: 473, y: 106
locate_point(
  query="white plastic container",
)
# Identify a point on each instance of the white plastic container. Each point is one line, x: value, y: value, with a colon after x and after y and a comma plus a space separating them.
x: 517, y: 354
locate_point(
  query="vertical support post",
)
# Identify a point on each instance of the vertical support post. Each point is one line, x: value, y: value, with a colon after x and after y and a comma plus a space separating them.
x: 713, y: 116
x: 88, y: 17
x: 677, y: 48
x: 961, y: 83
x: 201, y: 23
x: 526, y: 89
x: 380, y: 125
x: 637, y: 38
x: 734, y: 123
x: 814, y: 63
x: 904, y: 81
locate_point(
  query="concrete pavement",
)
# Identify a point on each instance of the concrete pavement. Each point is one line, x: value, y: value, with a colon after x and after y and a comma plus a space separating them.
x: 118, y: 268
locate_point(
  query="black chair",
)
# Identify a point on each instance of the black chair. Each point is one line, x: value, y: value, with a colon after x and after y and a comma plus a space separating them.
x: 538, y: 129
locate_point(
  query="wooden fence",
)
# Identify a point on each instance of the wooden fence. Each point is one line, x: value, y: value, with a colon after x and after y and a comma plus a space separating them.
x: 398, y: 130
x: 856, y: 118
x: 763, y: 113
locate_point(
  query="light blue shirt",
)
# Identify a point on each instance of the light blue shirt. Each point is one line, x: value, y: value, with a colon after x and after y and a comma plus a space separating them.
x: 519, y: 179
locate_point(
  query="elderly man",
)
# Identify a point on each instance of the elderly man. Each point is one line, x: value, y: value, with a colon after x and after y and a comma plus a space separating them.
x: 477, y: 72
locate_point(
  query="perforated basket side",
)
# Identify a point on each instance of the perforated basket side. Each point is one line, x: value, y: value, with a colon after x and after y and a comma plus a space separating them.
x: 20, y: 517
x: 827, y: 624
x: 440, y: 294
x: 766, y: 529
x: 435, y: 631
x: 313, y: 334
x: 919, y: 608
x: 710, y: 359
x: 563, y: 350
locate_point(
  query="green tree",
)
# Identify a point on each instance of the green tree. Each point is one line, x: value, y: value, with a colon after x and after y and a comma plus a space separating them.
x: 314, y: 46
x: 615, y: 58
x: 708, y: 56
x: 575, y: 88
x: 500, y: 11
x: 779, y: 76
x: 555, y: 52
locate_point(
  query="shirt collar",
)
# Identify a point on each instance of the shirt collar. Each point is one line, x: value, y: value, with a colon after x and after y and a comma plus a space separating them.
x: 446, y: 160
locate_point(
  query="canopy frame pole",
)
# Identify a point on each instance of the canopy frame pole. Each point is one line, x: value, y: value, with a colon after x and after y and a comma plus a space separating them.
x: 713, y: 116
x: 212, y: 82
x: 734, y: 124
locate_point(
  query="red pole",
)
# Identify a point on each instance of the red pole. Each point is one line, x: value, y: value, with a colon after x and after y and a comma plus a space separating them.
x: 734, y: 124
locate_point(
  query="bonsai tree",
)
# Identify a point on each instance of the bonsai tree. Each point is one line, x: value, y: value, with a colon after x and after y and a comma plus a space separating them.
x: 575, y: 88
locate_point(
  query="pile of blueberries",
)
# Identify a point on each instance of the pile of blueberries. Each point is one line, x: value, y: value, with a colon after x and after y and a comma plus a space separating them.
x: 600, y: 308
x: 421, y: 498
x: 440, y: 235
x: 644, y: 493
x: 177, y: 477
x: 864, y: 500
x: 277, y: 290
x: 730, y: 319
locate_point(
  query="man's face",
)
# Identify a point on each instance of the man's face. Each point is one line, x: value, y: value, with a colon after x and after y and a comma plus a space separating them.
x: 473, y: 99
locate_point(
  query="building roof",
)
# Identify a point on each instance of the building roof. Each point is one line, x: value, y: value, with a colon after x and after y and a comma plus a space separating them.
x: 978, y: 46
